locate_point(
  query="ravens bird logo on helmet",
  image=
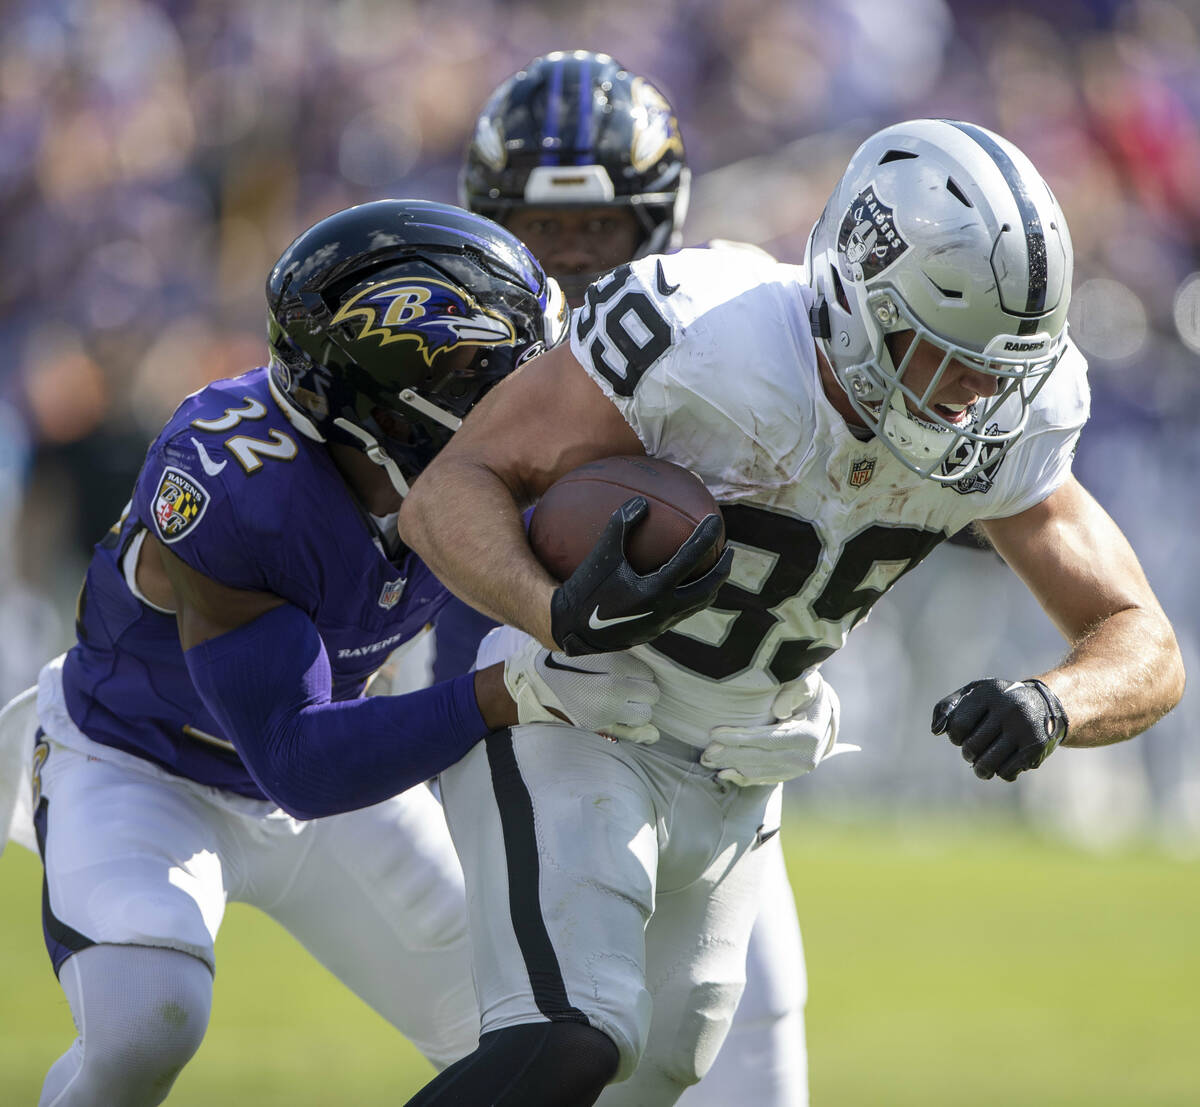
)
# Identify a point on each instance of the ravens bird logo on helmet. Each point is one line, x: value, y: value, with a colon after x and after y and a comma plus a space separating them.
x: 435, y: 315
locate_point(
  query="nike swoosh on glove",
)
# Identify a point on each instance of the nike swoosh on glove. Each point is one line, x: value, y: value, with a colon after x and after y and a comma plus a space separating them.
x: 807, y: 715
x: 610, y: 693
x: 606, y: 605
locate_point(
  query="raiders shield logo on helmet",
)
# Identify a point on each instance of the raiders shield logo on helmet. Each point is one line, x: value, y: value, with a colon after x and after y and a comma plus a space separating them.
x: 868, y: 238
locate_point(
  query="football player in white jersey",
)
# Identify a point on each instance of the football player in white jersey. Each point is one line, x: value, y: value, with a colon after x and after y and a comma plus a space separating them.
x: 584, y: 161
x: 913, y: 376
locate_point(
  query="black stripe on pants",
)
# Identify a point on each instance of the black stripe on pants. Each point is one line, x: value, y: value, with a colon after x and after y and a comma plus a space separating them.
x: 520, y: 848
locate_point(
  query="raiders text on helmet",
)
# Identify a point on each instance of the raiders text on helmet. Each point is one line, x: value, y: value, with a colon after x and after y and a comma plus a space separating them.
x: 388, y: 321
x: 945, y: 229
x: 575, y: 128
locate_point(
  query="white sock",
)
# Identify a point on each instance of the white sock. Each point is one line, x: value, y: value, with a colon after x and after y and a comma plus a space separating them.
x: 141, y: 1013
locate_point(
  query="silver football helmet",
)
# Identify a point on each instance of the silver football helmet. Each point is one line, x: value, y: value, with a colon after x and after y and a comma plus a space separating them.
x: 945, y: 229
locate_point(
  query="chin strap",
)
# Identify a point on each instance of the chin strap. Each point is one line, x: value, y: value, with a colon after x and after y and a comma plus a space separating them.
x: 376, y: 453
x: 430, y: 411
x: 920, y: 442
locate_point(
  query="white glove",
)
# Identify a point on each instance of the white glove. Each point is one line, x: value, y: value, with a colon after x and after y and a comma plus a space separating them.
x: 807, y: 713
x: 610, y: 693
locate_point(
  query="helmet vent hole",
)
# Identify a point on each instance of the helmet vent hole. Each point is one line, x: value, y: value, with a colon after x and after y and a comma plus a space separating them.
x: 896, y: 155
x: 947, y: 293
x: 957, y: 193
x: 839, y: 291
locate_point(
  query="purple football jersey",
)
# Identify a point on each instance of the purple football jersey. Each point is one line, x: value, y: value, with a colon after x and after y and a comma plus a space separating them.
x: 236, y: 491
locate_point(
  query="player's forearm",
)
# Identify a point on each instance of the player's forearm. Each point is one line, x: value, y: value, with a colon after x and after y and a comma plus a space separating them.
x: 478, y: 549
x: 1120, y: 678
x: 268, y: 685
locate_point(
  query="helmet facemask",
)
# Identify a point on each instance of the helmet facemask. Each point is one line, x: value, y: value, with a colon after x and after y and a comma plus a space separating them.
x: 934, y: 443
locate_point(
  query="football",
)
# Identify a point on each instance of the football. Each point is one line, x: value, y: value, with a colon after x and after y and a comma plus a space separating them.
x: 571, y: 516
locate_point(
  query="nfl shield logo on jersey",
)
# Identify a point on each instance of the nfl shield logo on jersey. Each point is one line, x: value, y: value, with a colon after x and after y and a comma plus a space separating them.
x: 390, y: 595
x: 861, y: 471
x: 179, y: 505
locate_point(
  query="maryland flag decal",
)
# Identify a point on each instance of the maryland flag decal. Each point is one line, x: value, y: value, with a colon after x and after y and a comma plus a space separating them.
x: 179, y: 505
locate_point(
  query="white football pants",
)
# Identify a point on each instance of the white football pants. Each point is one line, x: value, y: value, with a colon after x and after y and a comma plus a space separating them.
x: 614, y: 883
x: 134, y: 856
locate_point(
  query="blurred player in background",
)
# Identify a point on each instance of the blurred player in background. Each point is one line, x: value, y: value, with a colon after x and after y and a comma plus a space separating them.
x: 211, y: 711
x: 584, y: 162
x: 913, y: 377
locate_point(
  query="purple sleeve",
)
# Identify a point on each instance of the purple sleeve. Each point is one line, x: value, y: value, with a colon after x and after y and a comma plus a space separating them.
x: 267, y: 683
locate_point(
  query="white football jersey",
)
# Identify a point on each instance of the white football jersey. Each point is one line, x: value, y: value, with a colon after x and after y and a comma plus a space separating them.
x: 709, y: 356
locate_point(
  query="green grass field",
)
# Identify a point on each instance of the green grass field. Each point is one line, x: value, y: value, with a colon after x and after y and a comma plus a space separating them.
x: 948, y: 964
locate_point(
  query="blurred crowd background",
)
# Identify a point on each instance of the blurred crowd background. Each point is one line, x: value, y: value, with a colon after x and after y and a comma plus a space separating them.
x: 155, y: 158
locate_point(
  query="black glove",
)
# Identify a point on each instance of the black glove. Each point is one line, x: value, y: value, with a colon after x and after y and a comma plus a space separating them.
x: 606, y: 605
x: 1004, y: 727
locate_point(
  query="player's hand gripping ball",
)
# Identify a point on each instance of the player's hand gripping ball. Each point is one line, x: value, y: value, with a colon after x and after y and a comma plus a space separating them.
x: 639, y: 544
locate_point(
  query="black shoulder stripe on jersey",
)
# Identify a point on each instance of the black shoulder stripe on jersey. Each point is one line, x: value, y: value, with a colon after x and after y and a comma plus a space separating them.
x: 520, y: 849
x: 1035, y: 235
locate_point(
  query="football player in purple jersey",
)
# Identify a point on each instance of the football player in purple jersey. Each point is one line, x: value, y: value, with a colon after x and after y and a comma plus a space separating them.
x: 584, y: 161
x: 206, y: 738
x: 914, y: 376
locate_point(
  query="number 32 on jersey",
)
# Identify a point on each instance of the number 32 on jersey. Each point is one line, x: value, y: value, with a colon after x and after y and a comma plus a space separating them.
x: 249, y: 452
